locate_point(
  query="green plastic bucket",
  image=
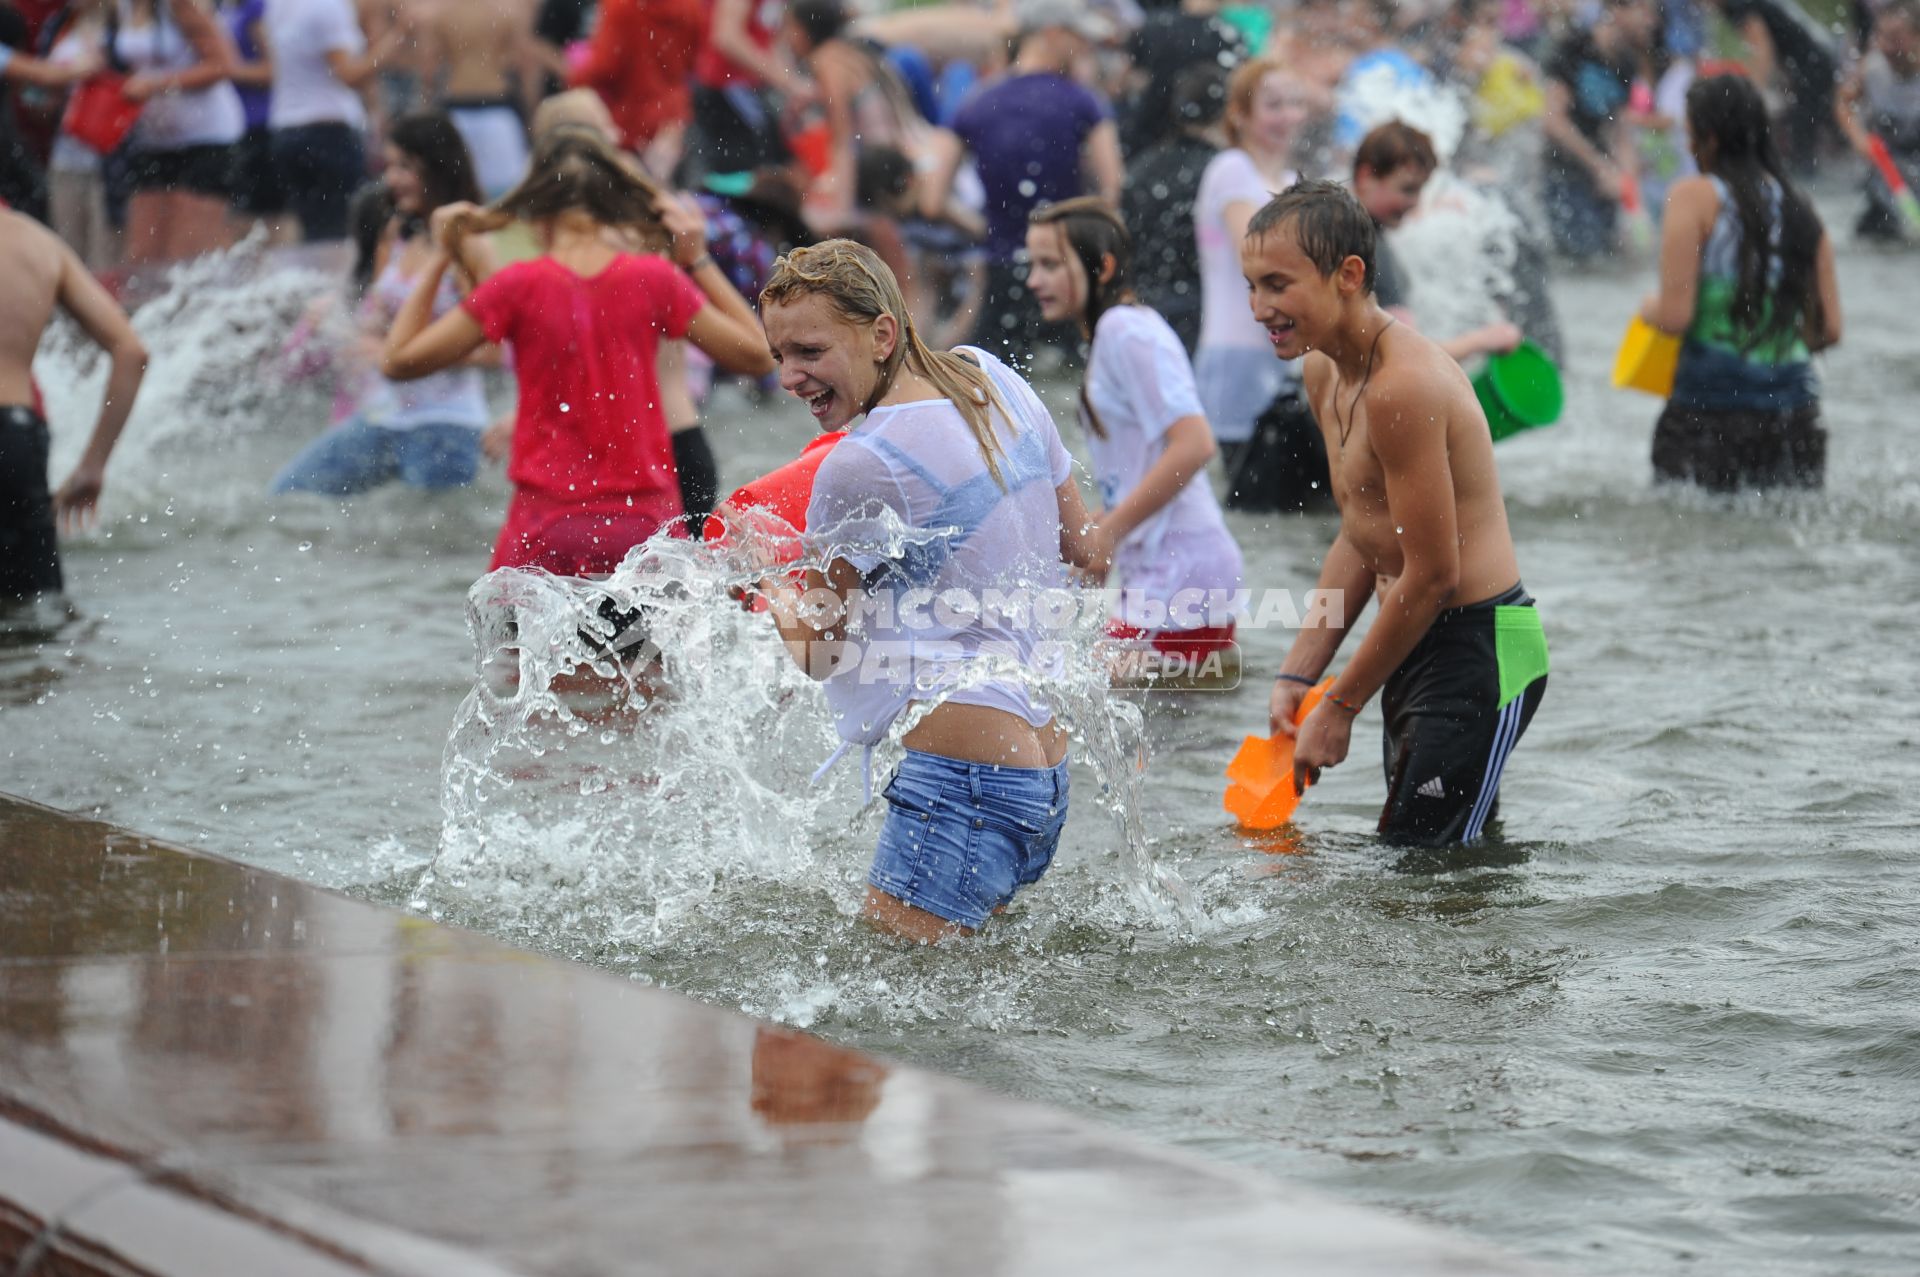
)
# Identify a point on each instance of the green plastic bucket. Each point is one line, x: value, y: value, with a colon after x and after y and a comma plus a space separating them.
x: 1519, y: 391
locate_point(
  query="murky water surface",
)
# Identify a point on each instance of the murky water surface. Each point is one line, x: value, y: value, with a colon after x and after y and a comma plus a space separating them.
x: 1665, y: 1023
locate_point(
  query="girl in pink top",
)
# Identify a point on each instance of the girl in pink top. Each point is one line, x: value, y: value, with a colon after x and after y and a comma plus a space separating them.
x: 592, y: 465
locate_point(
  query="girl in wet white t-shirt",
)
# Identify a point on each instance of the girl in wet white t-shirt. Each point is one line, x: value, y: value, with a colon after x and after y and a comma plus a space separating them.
x: 1179, y: 566
x: 948, y: 504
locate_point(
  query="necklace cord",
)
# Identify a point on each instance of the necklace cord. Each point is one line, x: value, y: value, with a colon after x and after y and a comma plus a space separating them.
x: 1353, y: 405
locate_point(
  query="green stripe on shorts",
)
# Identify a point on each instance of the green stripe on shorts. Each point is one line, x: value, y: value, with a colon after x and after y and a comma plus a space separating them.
x: 1520, y: 648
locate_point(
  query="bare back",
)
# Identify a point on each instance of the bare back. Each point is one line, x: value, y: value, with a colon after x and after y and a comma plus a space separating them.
x: 1417, y: 384
x: 31, y: 261
x: 478, y: 42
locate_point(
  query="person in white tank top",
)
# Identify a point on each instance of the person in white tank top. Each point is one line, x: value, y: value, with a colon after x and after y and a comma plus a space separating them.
x: 425, y: 432
x: 180, y: 154
x: 959, y: 466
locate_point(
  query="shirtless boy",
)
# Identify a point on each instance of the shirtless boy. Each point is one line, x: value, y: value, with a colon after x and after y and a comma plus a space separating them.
x: 479, y: 49
x: 1456, y: 652
x: 43, y: 274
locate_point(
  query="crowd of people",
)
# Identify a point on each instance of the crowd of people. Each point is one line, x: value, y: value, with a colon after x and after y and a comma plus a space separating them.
x: 897, y: 216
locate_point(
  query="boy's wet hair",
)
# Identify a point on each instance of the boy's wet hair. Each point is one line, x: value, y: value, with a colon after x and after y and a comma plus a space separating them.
x: 1328, y: 223
x: 1393, y: 146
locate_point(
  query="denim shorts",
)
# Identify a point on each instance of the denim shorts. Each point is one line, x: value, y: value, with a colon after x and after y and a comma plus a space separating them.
x: 961, y: 838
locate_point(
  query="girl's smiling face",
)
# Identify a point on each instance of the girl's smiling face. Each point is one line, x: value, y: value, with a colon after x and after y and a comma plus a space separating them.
x: 1279, y: 109
x: 827, y: 361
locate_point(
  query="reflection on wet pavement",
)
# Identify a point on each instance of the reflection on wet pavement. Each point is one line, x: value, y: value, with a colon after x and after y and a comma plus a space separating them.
x: 206, y: 1068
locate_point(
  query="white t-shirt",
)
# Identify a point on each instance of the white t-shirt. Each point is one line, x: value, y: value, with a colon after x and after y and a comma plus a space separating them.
x: 1139, y: 383
x: 211, y: 116
x: 301, y: 34
x: 1225, y: 318
x: 919, y: 463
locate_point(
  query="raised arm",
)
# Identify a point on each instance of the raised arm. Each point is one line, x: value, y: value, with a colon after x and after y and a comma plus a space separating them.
x: 728, y: 35
x: 80, y: 294
x: 418, y: 348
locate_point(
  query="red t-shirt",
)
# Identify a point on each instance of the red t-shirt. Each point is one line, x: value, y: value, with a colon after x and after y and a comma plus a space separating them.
x: 640, y: 60
x: 590, y: 434
x: 715, y: 70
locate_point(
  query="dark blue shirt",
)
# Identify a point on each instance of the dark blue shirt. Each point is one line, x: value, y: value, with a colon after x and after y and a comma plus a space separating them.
x: 1025, y: 133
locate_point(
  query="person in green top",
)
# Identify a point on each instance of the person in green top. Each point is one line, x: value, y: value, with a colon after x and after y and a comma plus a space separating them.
x: 1747, y: 282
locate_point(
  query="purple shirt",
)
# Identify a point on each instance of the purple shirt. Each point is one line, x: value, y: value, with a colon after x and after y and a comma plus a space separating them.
x: 241, y: 19
x: 1025, y: 133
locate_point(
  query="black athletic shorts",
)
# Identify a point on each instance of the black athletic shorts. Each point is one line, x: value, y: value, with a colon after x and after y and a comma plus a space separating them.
x: 198, y: 170
x: 1454, y: 710
x: 29, y: 550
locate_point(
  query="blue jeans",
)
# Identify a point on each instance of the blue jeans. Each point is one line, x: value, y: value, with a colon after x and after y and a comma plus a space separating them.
x: 357, y: 455
x: 960, y: 838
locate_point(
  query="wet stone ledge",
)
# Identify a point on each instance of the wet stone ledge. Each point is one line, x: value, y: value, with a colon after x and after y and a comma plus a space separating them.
x: 207, y: 1069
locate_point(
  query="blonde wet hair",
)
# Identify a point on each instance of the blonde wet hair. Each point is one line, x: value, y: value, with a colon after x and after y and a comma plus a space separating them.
x: 858, y: 285
x: 576, y: 169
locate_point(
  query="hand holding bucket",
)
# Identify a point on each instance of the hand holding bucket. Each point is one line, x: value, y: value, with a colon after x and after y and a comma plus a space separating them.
x: 1647, y: 359
x: 764, y: 515
x: 1262, y: 794
x: 1519, y: 390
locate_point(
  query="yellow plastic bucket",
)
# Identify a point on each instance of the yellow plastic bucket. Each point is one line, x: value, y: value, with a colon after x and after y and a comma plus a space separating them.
x: 1646, y: 360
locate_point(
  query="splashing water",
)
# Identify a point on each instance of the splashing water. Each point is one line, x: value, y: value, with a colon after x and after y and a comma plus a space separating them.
x: 1459, y: 252
x: 619, y: 814
x: 216, y: 377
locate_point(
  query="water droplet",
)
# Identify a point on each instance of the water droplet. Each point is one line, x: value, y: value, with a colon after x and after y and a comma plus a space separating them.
x: 305, y: 546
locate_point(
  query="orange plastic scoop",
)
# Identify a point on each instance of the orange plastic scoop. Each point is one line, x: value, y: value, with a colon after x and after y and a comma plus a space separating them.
x: 1261, y: 793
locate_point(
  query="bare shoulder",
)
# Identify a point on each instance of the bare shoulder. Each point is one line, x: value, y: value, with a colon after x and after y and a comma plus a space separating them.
x: 28, y: 247
x: 1415, y: 395
x: 1693, y: 195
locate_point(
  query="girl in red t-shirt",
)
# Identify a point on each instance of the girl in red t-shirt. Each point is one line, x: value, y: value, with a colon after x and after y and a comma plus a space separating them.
x: 592, y: 464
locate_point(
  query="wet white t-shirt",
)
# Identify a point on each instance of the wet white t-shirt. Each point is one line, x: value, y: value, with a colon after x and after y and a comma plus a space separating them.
x: 918, y: 466
x: 1139, y: 383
